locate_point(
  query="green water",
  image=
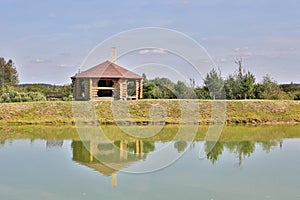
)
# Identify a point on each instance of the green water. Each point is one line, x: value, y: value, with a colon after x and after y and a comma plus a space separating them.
x: 54, y: 163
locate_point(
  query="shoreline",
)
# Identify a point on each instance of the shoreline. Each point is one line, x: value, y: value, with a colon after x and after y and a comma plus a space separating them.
x: 238, y: 112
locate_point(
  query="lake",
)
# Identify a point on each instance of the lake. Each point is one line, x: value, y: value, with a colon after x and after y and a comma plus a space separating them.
x: 47, y: 162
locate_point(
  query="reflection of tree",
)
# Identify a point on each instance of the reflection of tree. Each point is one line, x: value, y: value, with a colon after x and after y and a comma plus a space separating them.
x: 242, y: 149
x: 148, y: 146
x: 2, y: 142
x: 180, y: 146
x: 245, y: 149
x: 267, y: 145
x: 213, y: 150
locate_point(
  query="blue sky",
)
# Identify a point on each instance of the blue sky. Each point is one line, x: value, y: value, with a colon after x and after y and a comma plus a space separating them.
x: 48, y: 40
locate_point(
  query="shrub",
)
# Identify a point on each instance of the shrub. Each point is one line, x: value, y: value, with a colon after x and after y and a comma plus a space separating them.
x: 14, y: 96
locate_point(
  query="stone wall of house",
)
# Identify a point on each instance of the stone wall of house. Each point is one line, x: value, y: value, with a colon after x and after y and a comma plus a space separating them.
x: 123, y: 89
x: 140, y: 89
x: 76, y: 89
x: 120, y: 89
x: 86, y: 89
x: 94, y: 84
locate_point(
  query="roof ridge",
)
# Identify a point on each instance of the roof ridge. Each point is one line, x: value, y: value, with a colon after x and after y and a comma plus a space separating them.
x: 108, y: 69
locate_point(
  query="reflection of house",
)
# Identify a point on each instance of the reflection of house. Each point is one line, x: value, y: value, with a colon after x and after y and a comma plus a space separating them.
x: 107, y: 81
x: 54, y: 143
x: 108, y: 158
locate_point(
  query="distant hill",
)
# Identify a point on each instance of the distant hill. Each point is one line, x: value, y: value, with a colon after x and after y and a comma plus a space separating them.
x: 37, y: 84
x: 291, y: 84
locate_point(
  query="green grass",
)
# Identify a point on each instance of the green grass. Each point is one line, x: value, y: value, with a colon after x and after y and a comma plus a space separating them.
x: 237, y: 112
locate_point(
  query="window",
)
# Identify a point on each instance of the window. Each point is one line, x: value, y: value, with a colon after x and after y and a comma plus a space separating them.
x: 82, y: 87
x: 130, y: 88
x: 105, y: 83
x: 104, y: 93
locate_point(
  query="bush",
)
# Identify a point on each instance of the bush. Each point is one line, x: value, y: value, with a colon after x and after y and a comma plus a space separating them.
x: 297, y: 95
x: 14, y: 96
x: 36, y: 96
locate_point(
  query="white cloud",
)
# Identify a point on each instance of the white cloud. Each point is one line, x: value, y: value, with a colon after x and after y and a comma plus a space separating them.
x: 38, y: 60
x: 242, y: 51
x: 222, y: 60
x: 65, y: 65
x: 94, y: 25
x: 152, y: 51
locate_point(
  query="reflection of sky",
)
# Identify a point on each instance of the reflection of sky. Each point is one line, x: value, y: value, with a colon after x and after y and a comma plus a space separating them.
x: 30, y: 171
x: 44, y: 38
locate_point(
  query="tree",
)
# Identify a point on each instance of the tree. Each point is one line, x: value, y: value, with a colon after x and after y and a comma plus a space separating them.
x: 164, y: 88
x: 145, y: 80
x: 182, y: 91
x: 245, y: 82
x: 271, y: 89
x: 231, y: 88
x: 291, y: 89
x: 201, y: 93
x: 241, y: 84
x: 148, y: 89
x: 248, y: 85
x: 214, y: 84
x: 8, y: 73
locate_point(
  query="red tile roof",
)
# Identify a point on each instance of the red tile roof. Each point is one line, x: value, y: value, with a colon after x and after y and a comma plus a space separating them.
x: 107, y: 69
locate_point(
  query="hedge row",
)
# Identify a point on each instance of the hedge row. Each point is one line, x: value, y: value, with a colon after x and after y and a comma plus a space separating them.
x: 14, y: 96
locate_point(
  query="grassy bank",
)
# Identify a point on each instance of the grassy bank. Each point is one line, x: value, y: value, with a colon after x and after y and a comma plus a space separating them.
x: 238, y: 112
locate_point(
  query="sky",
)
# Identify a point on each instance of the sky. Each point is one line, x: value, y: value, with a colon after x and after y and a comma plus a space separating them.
x: 49, y: 40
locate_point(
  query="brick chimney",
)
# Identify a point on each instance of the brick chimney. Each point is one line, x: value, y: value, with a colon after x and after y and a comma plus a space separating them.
x: 113, y: 54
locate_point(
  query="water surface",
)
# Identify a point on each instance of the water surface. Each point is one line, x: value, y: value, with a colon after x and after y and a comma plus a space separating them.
x: 53, y: 163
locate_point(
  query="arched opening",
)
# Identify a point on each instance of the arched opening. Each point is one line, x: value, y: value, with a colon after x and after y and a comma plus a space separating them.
x: 82, y: 87
x: 130, y: 87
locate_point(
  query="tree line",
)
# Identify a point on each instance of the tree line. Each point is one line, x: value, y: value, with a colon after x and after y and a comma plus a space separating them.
x: 11, y: 91
x: 239, y: 85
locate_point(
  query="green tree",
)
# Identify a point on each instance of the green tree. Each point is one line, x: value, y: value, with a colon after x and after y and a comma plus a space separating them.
x: 214, y: 84
x: 164, y: 88
x: 241, y: 84
x: 271, y: 89
x: 145, y: 80
x: 201, y: 93
x: 148, y: 89
x: 293, y: 90
x: 245, y: 82
x: 8, y: 73
x: 248, y: 85
x: 158, y: 88
x: 231, y: 88
x: 182, y: 91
